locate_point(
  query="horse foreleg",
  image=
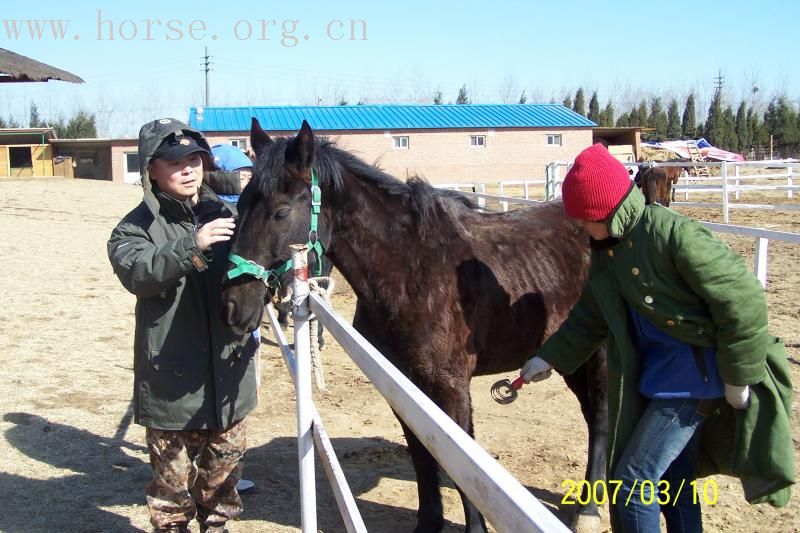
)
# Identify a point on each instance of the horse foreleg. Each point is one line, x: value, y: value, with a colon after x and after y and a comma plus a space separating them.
x: 430, y: 515
x: 457, y: 403
x: 589, y: 383
x: 454, y: 399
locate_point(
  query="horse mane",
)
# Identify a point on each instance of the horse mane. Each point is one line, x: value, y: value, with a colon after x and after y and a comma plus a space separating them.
x: 331, y: 163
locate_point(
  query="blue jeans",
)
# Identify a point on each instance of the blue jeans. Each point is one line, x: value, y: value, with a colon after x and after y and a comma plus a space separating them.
x: 663, y: 447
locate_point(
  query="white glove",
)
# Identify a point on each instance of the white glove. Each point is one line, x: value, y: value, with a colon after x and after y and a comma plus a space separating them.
x: 737, y: 395
x: 536, y: 369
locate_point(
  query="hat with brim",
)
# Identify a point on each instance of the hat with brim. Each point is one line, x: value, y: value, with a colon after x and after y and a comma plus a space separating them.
x: 176, y: 147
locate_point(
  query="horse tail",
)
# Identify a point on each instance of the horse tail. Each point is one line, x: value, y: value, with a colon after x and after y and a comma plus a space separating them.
x: 650, y: 188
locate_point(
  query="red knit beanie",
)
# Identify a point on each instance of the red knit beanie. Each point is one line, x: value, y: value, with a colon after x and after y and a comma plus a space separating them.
x: 594, y: 185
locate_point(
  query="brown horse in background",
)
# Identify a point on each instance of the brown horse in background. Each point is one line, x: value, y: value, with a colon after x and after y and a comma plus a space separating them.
x: 656, y: 183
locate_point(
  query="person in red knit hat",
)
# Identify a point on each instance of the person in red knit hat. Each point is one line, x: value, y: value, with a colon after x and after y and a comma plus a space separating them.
x: 685, y: 325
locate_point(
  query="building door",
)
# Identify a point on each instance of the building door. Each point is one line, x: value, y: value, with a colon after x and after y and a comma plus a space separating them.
x: 132, y: 168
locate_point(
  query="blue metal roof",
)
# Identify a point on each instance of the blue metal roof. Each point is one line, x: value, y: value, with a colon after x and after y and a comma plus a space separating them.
x: 391, y: 117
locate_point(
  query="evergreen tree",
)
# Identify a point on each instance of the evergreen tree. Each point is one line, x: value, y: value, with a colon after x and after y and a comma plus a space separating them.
x: 594, y: 109
x: 673, y: 121
x: 741, y: 128
x: 523, y: 98
x: 567, y: 102
x: 342, y: 102
x: 757, y: 131
x: 82, y: 125
x: 3, y: 123
x: 752, y: 125
x: 437, y: 97
x: 714, y: 130
x: 463, y: 95
x: 689, y: 124
x: 633, y: 117
x: 607, y: 117
x: 623, y: 121
x: 780, y: 121
x: 580, y: 102
x: 730, y: 140
x: 657, y: 120
x: 34, y: 121
x: 641, y: 114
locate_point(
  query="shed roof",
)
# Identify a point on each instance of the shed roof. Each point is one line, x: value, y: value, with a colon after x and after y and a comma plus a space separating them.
x: 18, y: 68
x: 393, y: 117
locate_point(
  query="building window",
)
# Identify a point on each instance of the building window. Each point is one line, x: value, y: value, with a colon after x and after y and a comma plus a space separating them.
x: 477, y: 141
x: 241, y: 144
x: 20, y: 156
x: 87, y: 158
x: 132, y: 163
x: 554, y: 140
x: 401, y: 142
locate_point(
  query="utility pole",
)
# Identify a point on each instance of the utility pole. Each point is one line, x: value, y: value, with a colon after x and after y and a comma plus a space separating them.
x: 206, y: 69
x: 719, y: 83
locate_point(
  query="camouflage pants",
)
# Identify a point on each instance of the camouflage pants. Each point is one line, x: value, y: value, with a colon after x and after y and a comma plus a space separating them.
x: 195, y: 474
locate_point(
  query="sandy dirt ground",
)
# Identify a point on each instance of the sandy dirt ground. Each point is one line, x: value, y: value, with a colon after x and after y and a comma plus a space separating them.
x: 72, y: 460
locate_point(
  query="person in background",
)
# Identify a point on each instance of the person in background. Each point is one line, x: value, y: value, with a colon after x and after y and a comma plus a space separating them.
x: 236, y: 170
x: 194, y: 378
x: 685, y: 323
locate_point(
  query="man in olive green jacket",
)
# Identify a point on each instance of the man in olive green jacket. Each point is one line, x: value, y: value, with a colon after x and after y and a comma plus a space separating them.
x: 194, y: 379
x: 685, y: 323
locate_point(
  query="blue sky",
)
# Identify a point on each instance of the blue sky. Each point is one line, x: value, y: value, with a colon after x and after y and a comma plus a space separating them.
x: 625, y: 50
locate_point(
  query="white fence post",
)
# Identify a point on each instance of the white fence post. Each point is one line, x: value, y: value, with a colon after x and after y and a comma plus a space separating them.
x: 548, y: 181
x: 789, y: 182
x: 736, y: 174
x: 504, y: 204
x: 725, y: 208
x: 305, y: 416
x: 686, y: 187
x: 481, y: 199
x: 760, y: 266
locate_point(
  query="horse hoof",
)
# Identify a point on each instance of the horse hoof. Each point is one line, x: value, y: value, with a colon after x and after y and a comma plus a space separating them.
x: 584, y: 523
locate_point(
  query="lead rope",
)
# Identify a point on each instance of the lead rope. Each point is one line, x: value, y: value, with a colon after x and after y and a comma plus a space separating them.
x: 323, y: 287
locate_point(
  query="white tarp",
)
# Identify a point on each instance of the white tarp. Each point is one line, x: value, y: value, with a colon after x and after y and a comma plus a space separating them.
x: 706, y: 150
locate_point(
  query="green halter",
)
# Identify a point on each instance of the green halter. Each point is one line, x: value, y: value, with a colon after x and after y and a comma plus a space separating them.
x: 270, y: 277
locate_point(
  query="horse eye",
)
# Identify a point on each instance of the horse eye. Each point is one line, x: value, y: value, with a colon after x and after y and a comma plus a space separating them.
x: 280, y: 214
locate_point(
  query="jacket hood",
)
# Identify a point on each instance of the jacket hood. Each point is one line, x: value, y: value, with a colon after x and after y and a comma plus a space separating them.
x: 152, y: 134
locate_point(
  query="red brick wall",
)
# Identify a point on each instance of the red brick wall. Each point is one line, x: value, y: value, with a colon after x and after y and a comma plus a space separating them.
x: 445, y: 156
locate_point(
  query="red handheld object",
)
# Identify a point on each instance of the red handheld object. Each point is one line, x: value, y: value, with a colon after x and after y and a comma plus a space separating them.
x: 518, y: 383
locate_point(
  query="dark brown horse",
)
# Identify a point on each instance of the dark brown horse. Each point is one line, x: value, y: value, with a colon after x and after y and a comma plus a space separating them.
x: 656, y: 183
x: 444, y: 291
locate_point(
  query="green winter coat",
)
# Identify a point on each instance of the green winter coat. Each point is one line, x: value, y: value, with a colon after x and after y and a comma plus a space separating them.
x: 675, y: 273
x: 190, y: 370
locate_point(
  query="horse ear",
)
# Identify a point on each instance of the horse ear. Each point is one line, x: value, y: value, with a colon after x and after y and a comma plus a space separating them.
x: 300, y: 151
x: 258, y: 137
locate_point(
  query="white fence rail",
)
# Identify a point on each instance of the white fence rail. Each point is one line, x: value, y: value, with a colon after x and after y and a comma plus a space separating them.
x: 731, y: 181
x: 505, y: 503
